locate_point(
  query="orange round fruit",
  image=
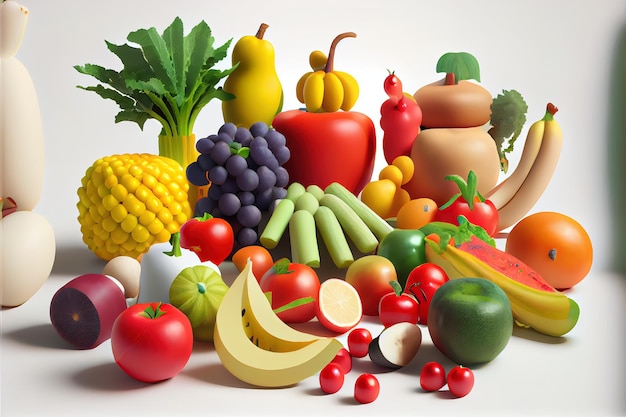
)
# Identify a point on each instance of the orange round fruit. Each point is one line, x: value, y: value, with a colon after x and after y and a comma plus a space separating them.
x: 261, y: 259
x: 554, y: 245
x: 370, y: 275
x: 416, y: 213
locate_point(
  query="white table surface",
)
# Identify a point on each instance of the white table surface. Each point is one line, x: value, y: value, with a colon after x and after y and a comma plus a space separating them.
x: 560, y: 51
x: 581, y: 373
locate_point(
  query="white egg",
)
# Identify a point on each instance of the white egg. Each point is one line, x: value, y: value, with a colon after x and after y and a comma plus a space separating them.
x: 27, y: 253
x: 127, y: 271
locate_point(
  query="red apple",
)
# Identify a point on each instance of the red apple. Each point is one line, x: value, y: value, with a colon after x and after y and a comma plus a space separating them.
x: 327, y: 147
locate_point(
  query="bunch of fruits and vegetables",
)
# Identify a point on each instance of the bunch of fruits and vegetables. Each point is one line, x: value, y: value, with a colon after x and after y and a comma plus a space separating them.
x: 414, y: 248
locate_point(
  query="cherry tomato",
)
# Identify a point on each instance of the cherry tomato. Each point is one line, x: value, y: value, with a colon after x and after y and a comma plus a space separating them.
x: 366, y: 388
x: 433, y: 376
x: 344, y: 360
x: 287, y: 282
x: 416, y: 213
x: 359, y: 340
x: 554, y: 245
x: 331, y: 378
x: 422, y: 283
x: 370, y: 276
x: 470, y: 204
x: 211, y: 238
x: 460, y: 381
x: 398, y: 307
x: 393, y: 86
x: 261, y: 260
x: 151, y: 342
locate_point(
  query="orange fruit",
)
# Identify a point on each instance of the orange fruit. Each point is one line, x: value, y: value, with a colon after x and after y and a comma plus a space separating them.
x: 416, y: 213
x: 339, y: 307
x: 261, y: 260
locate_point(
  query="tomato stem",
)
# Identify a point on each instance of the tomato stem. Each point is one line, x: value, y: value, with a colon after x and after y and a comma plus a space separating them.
x: 175, y: 242
x: 397, y: 288
x: 153, y: 311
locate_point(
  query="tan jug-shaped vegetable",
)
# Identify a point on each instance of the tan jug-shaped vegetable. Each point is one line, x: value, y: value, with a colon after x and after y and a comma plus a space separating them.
x: 255, y: 84
x: 21, y: 133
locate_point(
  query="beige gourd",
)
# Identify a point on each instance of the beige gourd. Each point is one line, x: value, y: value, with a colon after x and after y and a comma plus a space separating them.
x: 22, y: 151
x: 27, y: 242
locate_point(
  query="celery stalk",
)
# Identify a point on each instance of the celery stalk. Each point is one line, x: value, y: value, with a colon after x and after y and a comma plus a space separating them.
x: 303, y: 238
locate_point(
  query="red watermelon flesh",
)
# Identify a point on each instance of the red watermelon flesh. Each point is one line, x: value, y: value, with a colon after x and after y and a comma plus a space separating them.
x: 506, y: 264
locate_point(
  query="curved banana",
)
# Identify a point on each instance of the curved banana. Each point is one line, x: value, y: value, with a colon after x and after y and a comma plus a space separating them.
x: 505, y: 190
x: 548, y: 312
x: 539, y: 175
x: 255, y: 346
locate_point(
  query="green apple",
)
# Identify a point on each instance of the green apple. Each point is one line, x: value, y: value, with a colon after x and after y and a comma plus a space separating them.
x: 198, y: 292
x: 470, y: 320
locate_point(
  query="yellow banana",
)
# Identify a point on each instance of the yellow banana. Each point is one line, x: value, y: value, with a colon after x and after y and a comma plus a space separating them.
x: 300, y: 86
x: 314, y: 92
x: 350, y: 90
x: 505, y: 190
x: 326, y: 90
x: 333, y: 93
x: 548, y: 312
x: 538, y: 177
x: 255, y: 346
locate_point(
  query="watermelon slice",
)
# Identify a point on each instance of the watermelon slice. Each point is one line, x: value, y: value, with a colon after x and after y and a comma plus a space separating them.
x: 505, y: 263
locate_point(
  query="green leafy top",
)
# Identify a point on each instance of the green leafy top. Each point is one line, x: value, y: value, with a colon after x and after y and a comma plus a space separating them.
x: 460, y: 234
x: 459, y: 66
x: 508, y: 116
x: 467, y: 190
x: 169, y: 77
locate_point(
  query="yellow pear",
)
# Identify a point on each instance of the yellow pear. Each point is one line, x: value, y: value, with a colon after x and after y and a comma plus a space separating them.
x: 255, y: 84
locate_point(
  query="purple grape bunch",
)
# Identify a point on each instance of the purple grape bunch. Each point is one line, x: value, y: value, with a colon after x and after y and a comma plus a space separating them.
x: 244, y: 168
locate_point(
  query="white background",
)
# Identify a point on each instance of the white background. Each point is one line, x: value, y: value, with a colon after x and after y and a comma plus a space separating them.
x: 551, y: 51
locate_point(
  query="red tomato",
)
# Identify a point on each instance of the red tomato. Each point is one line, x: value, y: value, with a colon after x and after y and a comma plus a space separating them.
x: 433, y: 376
x: 554, y: 245
x: 359, y: 340
x: 366, y: 388
x: 344, y: 360
x: 287, y: 282
x: 261, y: 259
x: 352, y: 134
x: 398, y: 307
x: 460, y: 381
x: 400, y: 120
x: 370, y: 275
x: 331, y: 378
x: 470, y: 204
x: 422, y: 283
x: 211, y: 238
x: 152, y: 342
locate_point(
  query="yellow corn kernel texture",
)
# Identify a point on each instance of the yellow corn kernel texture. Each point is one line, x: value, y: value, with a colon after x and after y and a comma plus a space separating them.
x: 128, y: 202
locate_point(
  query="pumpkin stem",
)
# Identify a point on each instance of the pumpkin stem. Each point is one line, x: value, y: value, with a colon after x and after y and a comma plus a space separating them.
x: 333, y: 46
